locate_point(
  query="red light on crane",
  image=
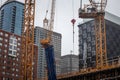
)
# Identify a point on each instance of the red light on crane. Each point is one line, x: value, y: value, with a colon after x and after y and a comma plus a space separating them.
x: 73, y: 21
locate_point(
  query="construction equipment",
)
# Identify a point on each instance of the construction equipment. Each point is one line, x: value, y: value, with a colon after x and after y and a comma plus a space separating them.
x: 47, y: 44
x: 28, y: 41
x: 73, y: 23
x: 96, y: 10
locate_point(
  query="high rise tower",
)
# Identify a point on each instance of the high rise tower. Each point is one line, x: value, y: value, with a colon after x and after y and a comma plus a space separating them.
x: 56, y: 40
x: 11, y: 16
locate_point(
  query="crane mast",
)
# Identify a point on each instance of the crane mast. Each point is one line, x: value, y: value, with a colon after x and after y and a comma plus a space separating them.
x: 47, y: 44
x: 96, y: 10
x: 48, y: 25
x: 28, y: 41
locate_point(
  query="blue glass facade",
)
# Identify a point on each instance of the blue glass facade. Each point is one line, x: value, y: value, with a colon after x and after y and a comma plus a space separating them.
x: 11, y: 17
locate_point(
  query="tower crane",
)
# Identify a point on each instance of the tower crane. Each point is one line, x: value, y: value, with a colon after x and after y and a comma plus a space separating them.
x: 27, y: 41
x: 47, y: 44
x: 96, y: 10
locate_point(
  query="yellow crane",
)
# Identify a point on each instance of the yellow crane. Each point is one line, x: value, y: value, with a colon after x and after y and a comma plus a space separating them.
x: 47, y: 44
x: 96, y: 10
x: 48, y: 25
x: 27, y: 41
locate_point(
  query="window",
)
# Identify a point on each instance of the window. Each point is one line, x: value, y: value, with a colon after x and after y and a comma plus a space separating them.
x: 1, y: 39
x: 4, y: 62
x: 11, y: 40
x: 13, y: 46
x: 18, y: 44
x: 10, y: 52
x: 5, y: 51
x: 19, y: 39
x: 3, y: 72
x: 13, y: 69
x: 15, y: 42
x: 1, y: 33
x: 6, y: 35
x: 5, y: 45
x: 6, y: 40
x: 16, y: 75
x: 10, y: 47
x: 18, y: 49
x: 0, y: 44
x: 3, y: 67
x: 12, y: 74
x: 17, y: 59
x: 1, y: 18
x: 14, y: 52
x: 17, y: 70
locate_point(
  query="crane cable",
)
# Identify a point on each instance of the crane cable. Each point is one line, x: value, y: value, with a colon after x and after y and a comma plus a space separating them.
x: 48, y: 5
x: 73, y: 22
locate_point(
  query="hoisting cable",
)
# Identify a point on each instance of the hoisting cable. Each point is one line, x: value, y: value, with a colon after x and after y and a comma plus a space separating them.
x: 73, y: 22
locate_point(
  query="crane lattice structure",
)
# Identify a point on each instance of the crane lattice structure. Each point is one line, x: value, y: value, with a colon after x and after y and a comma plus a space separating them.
x: 28, y: 41
x: 96, y: 10
x: 47, y: 43
x: 105, y: 70
x: 48, y: 25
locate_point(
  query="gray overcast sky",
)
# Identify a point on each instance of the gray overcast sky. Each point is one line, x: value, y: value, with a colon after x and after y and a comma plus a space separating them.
x: 63, y: 16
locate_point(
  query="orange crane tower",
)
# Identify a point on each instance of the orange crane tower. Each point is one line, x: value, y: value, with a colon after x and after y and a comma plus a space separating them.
x: 28, y: 41
x: 96, y: 10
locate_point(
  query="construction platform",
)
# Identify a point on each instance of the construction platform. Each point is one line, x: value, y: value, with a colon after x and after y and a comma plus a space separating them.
x: 111, y: 71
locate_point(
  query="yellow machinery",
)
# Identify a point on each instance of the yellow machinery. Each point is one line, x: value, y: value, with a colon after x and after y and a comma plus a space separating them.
x: 28, y: 38
x: 28, y: 41
x: 93, y: 10
x: 48, y: 25
x: 47, y: 44
x: 96, y: 10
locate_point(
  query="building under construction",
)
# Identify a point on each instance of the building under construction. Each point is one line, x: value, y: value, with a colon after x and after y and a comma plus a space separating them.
x: 105, y: 66
x: 87, y: 44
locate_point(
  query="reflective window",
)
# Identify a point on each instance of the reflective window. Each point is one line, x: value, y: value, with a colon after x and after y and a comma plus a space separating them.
x: 13, y: 46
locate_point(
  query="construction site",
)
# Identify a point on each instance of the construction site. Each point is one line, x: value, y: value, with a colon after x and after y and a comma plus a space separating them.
x: 23, y: 45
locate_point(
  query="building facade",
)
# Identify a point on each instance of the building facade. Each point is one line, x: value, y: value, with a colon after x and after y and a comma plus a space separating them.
x: 9, y: 56
x: 40, y: 33
x: 87, y: 45
x: 12, y: 16
x: 35, y: 59
x: 69, y: 63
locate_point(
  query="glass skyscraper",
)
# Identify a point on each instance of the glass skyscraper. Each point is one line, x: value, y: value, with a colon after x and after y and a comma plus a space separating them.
x: 11, y: 16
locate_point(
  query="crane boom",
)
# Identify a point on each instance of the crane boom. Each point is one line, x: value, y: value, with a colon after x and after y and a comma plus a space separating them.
x: 28, y: 41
